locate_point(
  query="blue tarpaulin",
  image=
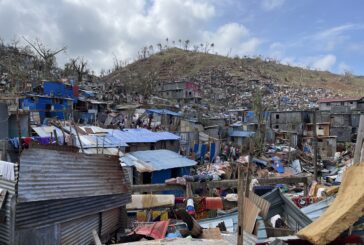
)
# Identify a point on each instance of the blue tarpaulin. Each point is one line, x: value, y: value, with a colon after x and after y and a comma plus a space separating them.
x: 277, y: 165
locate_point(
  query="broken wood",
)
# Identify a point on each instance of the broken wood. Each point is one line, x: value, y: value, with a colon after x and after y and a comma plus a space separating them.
x: 96, y: 237
x: 233, y: 183
x: 359, y: 141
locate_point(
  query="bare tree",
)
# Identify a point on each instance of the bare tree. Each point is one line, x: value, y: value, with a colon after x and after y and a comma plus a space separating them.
x: 259, y: 111
x: 187, y: 43
x: 144, y: 52
x: 79, y: 66
x: 46, y: 54
x: 159, y: 45
x: 118, y: 63
x: 180, y: 43
x: 212, y: 45
x: 151, y: 49
x: 195, y: 48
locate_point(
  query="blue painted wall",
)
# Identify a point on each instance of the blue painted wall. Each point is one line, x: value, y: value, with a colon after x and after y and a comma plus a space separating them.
x: 40, y: 103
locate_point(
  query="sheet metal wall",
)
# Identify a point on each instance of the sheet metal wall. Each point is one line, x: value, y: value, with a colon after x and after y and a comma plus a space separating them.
x: 35, y: 214
x: 79, y: 231
x: 280, y: 204
x: 3, y: 120
x: 111, y: 221
x: 50, y: 174
x: 7, y: 228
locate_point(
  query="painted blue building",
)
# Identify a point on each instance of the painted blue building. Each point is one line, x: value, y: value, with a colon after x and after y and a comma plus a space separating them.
x: 55, y: 100
x: 155, y: 166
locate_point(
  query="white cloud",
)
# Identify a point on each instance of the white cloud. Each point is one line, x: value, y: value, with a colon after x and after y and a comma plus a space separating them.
x: 269, y: 5
x: 233, y: 38
x: 276, y: 50
x: 343, y: 67
x: 329, y: 39
x: 324, y: 63
x: 98, y: 30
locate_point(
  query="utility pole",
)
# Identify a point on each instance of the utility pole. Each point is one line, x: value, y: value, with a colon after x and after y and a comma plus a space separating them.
x: 314, y: 143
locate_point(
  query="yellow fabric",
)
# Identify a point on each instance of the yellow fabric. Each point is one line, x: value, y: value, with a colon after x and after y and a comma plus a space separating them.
x: 347, y: 208
x: 163, y: 214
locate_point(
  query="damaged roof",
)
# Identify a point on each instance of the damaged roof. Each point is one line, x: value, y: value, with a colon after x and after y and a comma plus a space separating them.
x: 50, y: 173
x: 339, y: 99
x: 164, y: 112
x: 241, y: 133
x: 141, y: 135
x: 47, y: 131
x: 155, y: 160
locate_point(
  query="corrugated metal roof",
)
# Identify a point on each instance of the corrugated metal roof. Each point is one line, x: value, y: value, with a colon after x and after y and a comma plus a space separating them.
x: 280, y: 204
x: 241, y: 133
x: 339, y: 99
x: 164, y: 112
x: 94, y: 141
x: 59, y: 174
x: 46, y: 131
x: 155, y: 160
x: 141, y: 135
x: 315, y: 210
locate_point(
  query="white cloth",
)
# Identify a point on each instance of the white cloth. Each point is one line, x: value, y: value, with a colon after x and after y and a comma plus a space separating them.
x: 7, y: 170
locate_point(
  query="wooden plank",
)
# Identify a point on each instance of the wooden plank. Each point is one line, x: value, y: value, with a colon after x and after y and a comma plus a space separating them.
x: 219, y: 183
x: 359, y: 140
x: 251, y: 212
x: 240, y: 239
x: 261, y: 203
x: 2, y: 197
x: 96, y: 237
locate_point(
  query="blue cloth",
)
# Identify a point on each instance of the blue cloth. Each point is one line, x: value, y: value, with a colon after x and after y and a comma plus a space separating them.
x: 277, y: 165
x: 15, y: 143
x: 212, y: 152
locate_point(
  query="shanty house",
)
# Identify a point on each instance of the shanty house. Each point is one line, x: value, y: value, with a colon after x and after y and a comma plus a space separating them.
x: 52, y: 100
x: 152, y: 167
x: 59, y: 196
x: 139, y: 139
x: 165, y: 118
x: 322, y: 129
x: 240, y: 137
x: 289, y: 120
x: 183, y: 91
x: 353, y: 103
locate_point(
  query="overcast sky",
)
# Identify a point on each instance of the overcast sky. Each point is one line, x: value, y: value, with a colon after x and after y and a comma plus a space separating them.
x: 324, y: 34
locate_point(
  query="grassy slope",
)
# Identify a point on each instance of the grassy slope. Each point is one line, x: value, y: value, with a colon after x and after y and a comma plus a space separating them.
x: 175, y: 63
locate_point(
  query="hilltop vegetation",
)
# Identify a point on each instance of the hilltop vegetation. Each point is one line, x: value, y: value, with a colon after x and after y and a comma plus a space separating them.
x: 174, y: 64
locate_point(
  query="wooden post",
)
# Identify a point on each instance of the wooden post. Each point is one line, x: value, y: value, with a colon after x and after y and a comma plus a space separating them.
x: 247, y: 181
x: 56, y: 136
x: 289, y: 150
x: 314, y: 145
x: 19, y: 132
x: 240, y: 240
x: 78, y: 137
x: 359, y: 141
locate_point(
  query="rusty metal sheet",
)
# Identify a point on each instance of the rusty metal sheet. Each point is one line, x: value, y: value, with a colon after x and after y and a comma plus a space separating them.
x: 54, y: 174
